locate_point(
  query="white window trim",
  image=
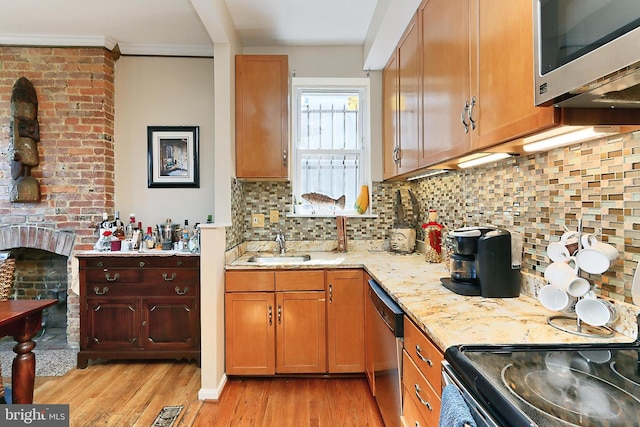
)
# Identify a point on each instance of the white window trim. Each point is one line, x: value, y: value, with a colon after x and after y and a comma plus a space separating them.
x: 299, y: 83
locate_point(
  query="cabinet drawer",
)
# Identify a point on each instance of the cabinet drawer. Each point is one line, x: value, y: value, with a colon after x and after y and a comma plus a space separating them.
x: 171, y: 275
x: 305, y: 280
x: 248, y: 281
x: 180, y: 261
x: 424, y: 353
x: 112, y: 262
x: 191, y: 290
x: 113, y: 275
x: 418, y: 389
x: 411, y: 414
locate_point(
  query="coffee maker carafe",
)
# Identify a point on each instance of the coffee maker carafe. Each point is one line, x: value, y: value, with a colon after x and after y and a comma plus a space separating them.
x: 485, y: 262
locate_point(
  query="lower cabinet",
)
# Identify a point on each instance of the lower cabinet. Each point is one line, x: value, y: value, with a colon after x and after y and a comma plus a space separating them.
x: 290, y: 322
x: 421, y: 383
x: 139, y: 307
x: 345, y: 312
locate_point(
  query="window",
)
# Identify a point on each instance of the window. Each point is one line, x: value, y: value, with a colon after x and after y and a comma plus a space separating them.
x: 331, y: 151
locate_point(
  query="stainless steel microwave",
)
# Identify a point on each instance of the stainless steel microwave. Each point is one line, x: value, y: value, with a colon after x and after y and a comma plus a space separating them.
x: 587, y: 53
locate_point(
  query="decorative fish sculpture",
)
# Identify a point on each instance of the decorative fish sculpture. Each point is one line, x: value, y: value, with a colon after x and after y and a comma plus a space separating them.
x: 319, y: 199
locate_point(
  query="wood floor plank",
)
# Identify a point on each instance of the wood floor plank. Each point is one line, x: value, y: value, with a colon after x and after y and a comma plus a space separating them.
x: 131, y: 394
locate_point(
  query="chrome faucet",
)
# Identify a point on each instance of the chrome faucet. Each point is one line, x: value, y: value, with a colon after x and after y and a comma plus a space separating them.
x: 281, y: 241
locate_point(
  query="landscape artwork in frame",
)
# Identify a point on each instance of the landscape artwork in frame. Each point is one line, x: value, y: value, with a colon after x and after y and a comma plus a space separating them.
x: 172, y: 156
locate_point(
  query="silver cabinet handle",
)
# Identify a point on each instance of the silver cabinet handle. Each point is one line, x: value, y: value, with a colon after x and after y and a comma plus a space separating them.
x: 424, y: 402
x: 284, y: 158
x: 179, y: 292
x: 279, y: 314
x: 421, y: 357
x: 463, y: 116
x: 141, y: 264
x: 330, y: 293
x: 100, y: 264
x: 100, y: 292
x: 166, y: 277
x: 473, y: 104
x: 108, y: 277
x: 270, y: 315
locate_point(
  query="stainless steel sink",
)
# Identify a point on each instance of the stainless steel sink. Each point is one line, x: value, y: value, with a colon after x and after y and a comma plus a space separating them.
x: 280, y: 259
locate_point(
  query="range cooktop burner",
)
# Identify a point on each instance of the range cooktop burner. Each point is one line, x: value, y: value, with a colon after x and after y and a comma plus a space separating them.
x: 565, y: 388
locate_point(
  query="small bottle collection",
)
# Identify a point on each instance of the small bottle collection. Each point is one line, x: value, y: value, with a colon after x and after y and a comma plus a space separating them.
x: 114, y: 235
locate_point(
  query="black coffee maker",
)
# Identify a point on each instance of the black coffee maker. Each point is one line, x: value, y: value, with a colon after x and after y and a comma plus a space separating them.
x: 485, y: 262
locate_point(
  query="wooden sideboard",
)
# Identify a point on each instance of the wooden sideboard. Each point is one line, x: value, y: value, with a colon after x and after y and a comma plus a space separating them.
x: 139, y: 307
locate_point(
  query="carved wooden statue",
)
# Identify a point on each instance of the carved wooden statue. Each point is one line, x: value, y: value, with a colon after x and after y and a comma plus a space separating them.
x: 23, y: 150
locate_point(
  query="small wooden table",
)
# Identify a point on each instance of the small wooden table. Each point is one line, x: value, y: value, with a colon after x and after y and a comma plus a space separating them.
x: 22, y: 319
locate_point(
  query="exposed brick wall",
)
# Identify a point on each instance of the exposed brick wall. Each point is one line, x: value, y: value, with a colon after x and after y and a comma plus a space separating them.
x: 75, y: 89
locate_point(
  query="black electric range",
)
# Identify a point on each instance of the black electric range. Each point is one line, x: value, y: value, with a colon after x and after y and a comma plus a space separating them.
x: 549, y: 385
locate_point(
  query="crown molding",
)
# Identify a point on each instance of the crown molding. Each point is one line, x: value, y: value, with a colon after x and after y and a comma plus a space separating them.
x: 166, y: 50
x: 56, y: 40
x: 106, y: 42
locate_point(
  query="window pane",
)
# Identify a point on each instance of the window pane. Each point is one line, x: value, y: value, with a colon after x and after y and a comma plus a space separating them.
x: 329, y: 121
x: 333, y: 175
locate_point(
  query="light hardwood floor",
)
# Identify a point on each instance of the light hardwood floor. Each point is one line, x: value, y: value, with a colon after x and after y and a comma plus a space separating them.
x: 131, y: 394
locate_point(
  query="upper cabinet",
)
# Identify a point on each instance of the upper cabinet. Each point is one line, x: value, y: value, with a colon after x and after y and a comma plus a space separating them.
x: 401, y: 97
x: 501, y: 52
x: 445, y: 79
x: 262, y: 108
x: 473, y: 90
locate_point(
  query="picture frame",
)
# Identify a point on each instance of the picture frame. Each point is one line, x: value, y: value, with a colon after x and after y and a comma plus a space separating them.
x: 173, y: 156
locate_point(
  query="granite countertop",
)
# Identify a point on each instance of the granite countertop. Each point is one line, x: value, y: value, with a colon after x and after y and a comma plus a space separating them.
x: 447, y: 318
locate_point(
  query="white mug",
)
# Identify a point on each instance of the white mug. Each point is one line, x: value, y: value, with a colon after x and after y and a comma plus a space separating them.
x: 558, y: 273
x: 597, y: 258
x: 558, y: 252
x: 589, y: 240
x: 596, y: 312
x: 555, y: 299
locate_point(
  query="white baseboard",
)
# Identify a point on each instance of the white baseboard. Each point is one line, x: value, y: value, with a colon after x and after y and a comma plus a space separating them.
x: 213, y: 394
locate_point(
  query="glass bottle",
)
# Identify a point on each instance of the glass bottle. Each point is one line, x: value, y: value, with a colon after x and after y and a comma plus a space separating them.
x: 149, y: 239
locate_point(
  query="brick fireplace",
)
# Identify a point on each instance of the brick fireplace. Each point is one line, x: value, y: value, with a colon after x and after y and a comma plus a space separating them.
x: 75, y: 90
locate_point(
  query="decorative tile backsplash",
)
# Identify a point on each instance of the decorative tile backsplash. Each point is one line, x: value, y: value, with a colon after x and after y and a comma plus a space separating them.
x: 535, y: 195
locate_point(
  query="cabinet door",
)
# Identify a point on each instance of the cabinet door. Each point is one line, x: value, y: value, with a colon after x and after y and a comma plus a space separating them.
x: 250, y: 333
x: 170, y: 323
x: 262, y: 86
x: 445, y: 79
x: 345, y: 321
x: 369, y: 315
x: 113, y: 323
x: 390, y: 117
x: 502, y: 73
x: 409, y: 84
x: 301, y: 332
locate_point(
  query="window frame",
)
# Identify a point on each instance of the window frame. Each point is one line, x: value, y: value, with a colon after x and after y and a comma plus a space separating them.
x: 361, y: 85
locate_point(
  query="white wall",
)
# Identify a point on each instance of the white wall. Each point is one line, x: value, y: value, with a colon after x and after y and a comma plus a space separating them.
x: 336, y: 61
x: 159, y: 91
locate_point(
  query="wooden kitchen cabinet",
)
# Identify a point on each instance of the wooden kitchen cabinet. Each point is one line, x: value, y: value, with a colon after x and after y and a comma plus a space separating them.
x: 369, y: 315
x: 501, y: 53
x: 445, y: 79
x: 402, y: 117
x: 262, y: 111
x: 345, y: 319
x: 139, y: 307
x: 275, y: 322
x: 390, y: 122
x: 421, y: 383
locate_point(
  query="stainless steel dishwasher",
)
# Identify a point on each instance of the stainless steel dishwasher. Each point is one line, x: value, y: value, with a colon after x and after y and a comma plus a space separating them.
x: 387, y: 339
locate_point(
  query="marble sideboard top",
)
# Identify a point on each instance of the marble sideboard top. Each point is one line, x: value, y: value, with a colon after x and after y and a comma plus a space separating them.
x: 447, y: 318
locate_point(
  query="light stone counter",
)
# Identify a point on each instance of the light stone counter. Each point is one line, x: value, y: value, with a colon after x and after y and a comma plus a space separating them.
x: 447, y: 318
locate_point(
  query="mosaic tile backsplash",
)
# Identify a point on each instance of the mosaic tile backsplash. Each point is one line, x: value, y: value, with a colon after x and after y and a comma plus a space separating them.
x: 535, y: 195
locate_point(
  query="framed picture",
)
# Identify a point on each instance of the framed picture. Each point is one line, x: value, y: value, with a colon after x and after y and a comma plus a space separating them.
x: 172, y: 157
